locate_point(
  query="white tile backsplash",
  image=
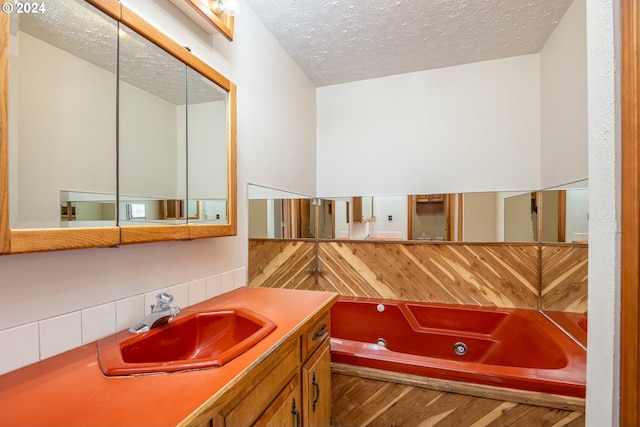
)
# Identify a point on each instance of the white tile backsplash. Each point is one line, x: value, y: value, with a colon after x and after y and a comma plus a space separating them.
x: 48, y: 337
x: 227, y: 282
x: 180, y: 295
x: 197, y: 291
x: 98, y: 322
x: 59, y: 334
x: 239, y: 278
x: 212, y: 286
x: 21, y: 347
x: 129, y: 311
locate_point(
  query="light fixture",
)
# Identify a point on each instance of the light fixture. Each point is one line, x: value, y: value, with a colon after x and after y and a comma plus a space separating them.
x: 211, y: 15
x: 229, y: 7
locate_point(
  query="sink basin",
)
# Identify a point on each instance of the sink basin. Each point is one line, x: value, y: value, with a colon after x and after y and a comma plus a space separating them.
x: 190, y: 341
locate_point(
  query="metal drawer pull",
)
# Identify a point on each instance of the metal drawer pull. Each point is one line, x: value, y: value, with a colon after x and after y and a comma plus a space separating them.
x: 317, y: 389
x: 295, y: 412
x: 320, y: 333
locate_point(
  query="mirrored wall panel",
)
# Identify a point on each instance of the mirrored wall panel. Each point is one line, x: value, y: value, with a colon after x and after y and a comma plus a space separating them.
x: 566, y: 213
x: 62, y: 116
x: 277, y: 214
x: 206, y: 116
x: 152, y: 133
x: 526, y: 216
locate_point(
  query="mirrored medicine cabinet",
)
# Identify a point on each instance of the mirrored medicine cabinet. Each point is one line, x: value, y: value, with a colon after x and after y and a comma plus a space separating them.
x: 112, y: 133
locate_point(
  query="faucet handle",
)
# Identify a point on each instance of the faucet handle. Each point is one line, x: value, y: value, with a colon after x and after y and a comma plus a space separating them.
x: 164, y: 300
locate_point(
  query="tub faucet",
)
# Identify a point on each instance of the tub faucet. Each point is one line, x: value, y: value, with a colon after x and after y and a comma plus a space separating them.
x: 160, y: 314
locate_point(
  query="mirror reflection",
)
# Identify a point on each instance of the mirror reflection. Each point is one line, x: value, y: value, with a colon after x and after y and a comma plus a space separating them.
x: 206, y: 138
x: 566, y: 213
x: 152, y: 132
x: 61, y: 135
x: 468, y: 217
x: 280, y: 214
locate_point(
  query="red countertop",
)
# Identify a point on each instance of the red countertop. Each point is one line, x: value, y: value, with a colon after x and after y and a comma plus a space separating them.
x: 70, y: 390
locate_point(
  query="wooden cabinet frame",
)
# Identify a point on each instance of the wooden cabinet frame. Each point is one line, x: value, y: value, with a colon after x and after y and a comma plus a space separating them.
x: 630, y: 246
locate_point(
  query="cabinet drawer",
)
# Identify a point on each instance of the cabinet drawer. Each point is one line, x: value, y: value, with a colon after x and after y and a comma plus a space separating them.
x: 315, y: 335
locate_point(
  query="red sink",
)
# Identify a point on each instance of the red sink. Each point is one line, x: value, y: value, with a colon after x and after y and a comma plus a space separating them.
x: 190, y: 341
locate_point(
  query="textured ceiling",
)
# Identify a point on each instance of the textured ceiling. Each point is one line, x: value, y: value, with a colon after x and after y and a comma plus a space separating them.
x: 338, y: 41
x: 83, y: 31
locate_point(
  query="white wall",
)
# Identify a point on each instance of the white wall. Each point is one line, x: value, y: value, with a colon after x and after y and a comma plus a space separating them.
x: 563, y: 100
x: 603, y: 371
x: 276, y: 126
x: 414, y: 133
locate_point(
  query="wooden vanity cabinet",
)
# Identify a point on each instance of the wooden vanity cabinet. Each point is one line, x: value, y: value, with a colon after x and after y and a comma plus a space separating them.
x: 285, y: 410
x: 289, y: 387
x: 316, y: 383
x: 316, y: 373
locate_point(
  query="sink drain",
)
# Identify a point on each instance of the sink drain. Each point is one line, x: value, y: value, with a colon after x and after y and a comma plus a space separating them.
x: 460, y: 348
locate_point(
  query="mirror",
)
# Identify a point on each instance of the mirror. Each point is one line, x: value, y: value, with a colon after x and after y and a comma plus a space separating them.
x: 431, y: 217
x: 276, y: 214
x: 363, y: 209
x: 152, y: 146
x: 62, y: 135
x: 207, y: 131
x: 564, y: 257
x: 469, y: 217
x: 566, y: 213
x: 521, y: 217
x: 171, y: 136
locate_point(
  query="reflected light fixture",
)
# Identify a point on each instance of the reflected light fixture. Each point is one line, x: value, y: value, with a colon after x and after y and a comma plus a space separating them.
x: 230, y: 7
x: 211, y: 15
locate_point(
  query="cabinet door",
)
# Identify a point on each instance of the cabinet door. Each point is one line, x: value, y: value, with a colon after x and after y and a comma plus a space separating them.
x: 285, y: 410
x: 316, y: 388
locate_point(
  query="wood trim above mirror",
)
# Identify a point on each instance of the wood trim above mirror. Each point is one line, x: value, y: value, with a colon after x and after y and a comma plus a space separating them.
x: 37, y: 240
x: 206, y: 18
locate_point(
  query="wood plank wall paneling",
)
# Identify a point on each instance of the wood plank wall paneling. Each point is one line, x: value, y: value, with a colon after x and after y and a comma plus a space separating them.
x: 364, y: 402
x: 282, y: 263
x: 502, y: 275
x: 564, y: 277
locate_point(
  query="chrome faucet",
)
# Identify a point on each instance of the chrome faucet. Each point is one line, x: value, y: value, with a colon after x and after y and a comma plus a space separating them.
x: 160, y: 314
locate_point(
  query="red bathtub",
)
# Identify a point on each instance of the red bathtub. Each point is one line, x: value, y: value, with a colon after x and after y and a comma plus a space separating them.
x: 511, y: 348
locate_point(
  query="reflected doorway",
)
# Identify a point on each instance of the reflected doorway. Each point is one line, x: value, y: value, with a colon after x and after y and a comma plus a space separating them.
x: 431, y: 217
